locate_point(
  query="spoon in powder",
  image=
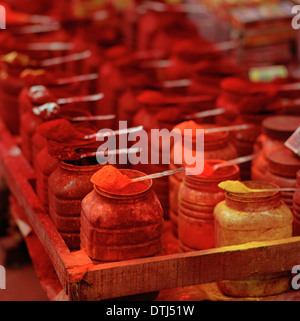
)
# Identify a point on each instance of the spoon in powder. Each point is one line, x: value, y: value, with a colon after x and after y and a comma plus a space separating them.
x: 52, y: 108
x: 238, y: 187
x: 209, y: 170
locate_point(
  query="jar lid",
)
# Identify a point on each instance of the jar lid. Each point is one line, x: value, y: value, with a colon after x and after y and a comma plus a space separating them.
x: 280, y: 127
x: 283, y: 162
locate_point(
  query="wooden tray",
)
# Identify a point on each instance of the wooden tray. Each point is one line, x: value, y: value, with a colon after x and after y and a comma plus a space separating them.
x: 80, y: 279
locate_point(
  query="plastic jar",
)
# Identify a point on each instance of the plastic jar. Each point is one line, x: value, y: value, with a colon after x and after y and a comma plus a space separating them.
x: 254, y: 217
x: 67, y: 186
x: 216, y: 146
x: 29, y: 123
x: 198, y: 196
x: 163, y: 112
x: 121, y: 227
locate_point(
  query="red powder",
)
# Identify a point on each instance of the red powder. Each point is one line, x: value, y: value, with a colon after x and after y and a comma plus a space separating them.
x: 208, y: 169
x: 236, y: 85
x: 209, y: 172
x: 170, y: 115
x: 112, y: 180
x: 150, y: 97
x: 37, y: 76
x: 59, y: 130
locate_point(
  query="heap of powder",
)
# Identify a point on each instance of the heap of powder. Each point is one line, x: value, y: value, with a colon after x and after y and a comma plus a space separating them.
x: 110, y: 179
x: 235, y: 187
x: 59, y: 130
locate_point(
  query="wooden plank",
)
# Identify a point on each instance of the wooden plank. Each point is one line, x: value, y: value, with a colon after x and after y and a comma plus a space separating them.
x: 113, y: 280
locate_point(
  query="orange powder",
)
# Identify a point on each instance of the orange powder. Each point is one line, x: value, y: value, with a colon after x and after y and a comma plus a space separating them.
x: 112, y: 180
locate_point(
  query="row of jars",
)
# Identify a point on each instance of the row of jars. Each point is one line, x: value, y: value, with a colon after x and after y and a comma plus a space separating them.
x: 114, y: 227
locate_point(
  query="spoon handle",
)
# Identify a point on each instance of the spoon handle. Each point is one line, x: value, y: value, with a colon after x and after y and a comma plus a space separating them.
x: 240, y: 160
x: 95, y: 97
x: 286, y: 189
x: 158, y: 175
x: 114, y: 132
x: 79, y: 78
x: 112, y: 152
x: 227, y: 128
x: 90, y: 118
x: 64, y: 59
x: 206, y: 113
x: 52, y: 46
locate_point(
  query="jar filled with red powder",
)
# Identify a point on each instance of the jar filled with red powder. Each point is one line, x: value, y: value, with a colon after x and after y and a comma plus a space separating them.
x: 42, y: 86
x: 253, y: 217
x: 197, y: 198
x: 67, y: 186
x: 33, y: 142
x: 163, y: 111
x: 68, y: 112
x: 121, y: 223
x: 117, y: 74
x: 216, y: 146
x: 15, y: 62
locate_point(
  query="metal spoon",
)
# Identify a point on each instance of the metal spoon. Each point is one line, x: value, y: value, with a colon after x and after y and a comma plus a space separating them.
x: 232, y: 162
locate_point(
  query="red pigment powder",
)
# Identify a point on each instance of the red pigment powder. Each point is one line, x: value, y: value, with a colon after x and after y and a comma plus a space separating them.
x: 59, y: 130
x: 150, y: 97
x: 209, y: 172
x: 112, y: 180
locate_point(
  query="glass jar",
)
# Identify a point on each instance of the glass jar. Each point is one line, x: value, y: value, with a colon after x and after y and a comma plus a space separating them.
x: 67, y: 186
x: 121, y: 227
x: 253, y: 217
x: 197, y: 198
x: 216, y: 146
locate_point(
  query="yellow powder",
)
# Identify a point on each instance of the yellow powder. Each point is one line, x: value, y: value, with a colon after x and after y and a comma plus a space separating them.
x: 235, y: 187
x: 16, y: 57
x: 33, y: 72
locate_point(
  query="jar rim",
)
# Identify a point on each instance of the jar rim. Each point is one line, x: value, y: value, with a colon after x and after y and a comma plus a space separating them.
x: 235, y: 170
x: 80, y: 168
x: 250, y: 197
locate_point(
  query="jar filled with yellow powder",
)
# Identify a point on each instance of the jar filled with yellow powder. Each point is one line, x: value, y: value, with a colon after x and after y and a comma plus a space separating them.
x: 245, y: 216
